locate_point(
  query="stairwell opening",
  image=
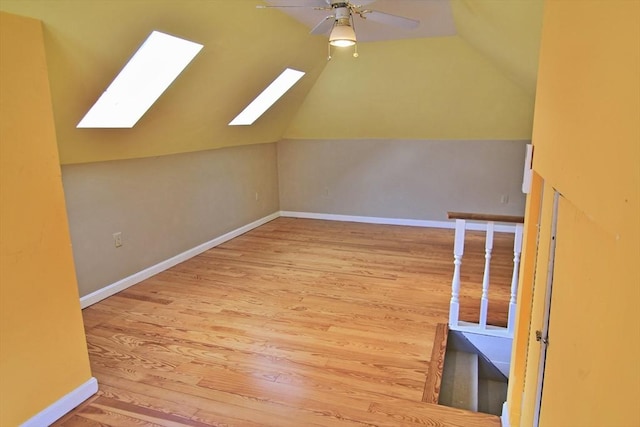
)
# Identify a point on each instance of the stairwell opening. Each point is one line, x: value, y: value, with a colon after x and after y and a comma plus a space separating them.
x: 471, y: 379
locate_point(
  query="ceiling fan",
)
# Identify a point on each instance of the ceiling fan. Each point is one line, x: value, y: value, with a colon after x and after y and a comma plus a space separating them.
x: 339, y: 23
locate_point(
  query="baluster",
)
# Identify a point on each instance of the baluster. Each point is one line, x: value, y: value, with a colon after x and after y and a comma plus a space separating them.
x: 517, y: 249
x: 458, y: 250
x: 484, y: 301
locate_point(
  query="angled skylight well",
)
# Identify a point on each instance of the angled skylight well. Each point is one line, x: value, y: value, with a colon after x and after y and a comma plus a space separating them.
x: 150, y: 71
x: 268, y: 97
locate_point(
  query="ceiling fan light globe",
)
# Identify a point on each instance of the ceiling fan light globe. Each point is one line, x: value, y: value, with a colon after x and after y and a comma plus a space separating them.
x: 342, y: 43
x: 342, y: 36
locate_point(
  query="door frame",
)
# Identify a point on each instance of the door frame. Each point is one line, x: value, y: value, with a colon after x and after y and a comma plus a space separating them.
x: 543, y: 336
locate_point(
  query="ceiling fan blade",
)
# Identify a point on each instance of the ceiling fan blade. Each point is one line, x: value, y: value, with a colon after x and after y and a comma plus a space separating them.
x: 292, y: 7
x: 289, y: 3
x: 324, y: 26
x: 389, y: 19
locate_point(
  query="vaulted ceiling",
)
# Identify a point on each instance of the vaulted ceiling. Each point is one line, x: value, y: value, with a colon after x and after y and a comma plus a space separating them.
x: 475, y: 82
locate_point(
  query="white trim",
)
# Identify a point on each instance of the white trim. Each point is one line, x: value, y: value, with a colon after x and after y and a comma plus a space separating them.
x: 474, y: 328
x: 527, y: 176
x: 138, y: 277
x: 64, y: 405
x: 396, y: 221
x: 504, y: 418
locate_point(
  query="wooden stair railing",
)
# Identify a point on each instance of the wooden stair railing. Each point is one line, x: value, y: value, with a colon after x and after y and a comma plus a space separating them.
x: 458, y: 250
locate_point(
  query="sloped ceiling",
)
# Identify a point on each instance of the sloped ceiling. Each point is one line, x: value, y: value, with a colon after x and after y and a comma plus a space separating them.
x: 506, y: 32
x: 477, y: 84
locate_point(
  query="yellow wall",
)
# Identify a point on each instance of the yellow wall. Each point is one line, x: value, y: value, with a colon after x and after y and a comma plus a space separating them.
x: 528, y: 361
x: 587, y: 146
x: 429, y: 88
x: 88, y: 42
x: 587, y: 108
x: 525, y: 293
x: 477, y: 85
x: 592, y: 374
x: 43, y: 353
x: 507, y: 32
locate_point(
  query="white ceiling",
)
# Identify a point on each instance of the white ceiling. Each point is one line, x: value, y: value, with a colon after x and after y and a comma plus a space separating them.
x: 435, y: 16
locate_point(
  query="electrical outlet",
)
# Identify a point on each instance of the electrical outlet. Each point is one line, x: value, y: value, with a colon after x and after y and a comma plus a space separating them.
x: 257, y: 196
x: 504, y: 199
x: 117, y: 239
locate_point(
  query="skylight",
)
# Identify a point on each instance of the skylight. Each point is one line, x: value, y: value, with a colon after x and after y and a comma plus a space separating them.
x: 150, y: 71
x: 268, y: 97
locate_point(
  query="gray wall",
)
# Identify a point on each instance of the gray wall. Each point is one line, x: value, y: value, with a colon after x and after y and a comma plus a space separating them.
x: 401, y: 179
x: 163, y: 206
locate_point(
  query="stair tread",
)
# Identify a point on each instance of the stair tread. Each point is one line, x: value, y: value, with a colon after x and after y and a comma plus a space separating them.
x: 491, y: 395
x: 460, y: 380
x: 410, y: 413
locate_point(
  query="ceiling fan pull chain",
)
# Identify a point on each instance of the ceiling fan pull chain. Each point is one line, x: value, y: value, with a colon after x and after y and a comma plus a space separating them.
x: 355, y: 46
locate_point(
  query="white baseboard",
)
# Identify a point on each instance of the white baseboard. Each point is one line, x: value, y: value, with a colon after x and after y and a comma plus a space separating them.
x: 138, y: 277
x: 62, y: 406
x: 504, y: 418
x: 475, y: 226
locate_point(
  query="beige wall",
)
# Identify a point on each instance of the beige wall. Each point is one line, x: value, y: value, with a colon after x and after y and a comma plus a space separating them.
x: 166, y: 205
x: 401, y: 179
x: 43, y: 352
x: 163, y: 206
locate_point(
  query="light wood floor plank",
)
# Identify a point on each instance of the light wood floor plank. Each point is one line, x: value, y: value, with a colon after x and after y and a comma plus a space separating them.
x: 298, y: 322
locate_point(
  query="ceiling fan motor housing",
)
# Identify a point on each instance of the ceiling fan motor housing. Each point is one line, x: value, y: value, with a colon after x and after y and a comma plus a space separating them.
x: 342, y: 13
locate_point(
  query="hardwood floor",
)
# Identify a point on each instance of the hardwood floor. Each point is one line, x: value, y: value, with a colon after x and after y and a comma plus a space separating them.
x: 296, y: 323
